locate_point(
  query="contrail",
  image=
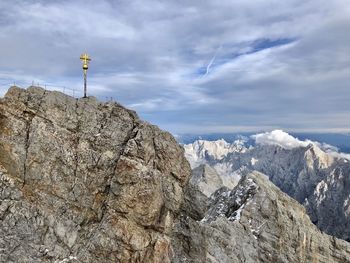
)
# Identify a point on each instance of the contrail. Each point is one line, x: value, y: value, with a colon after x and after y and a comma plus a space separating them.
x: 212, y: 61
x: 209, y: 65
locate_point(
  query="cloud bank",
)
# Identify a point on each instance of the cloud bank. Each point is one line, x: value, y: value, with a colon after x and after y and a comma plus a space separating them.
x: 191, y: 66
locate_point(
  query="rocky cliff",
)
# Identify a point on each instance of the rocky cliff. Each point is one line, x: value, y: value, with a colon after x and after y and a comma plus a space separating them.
x: 84, y: 181
x: 254, y: 222
x: 316, y: 178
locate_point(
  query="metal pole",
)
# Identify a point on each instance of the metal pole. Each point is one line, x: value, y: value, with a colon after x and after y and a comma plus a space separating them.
x: 84, y: 83
x: 85, y: 59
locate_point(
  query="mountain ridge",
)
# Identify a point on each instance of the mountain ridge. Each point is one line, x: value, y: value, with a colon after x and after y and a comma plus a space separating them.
x: 85, y: 181
x: 253, y: 222
x: 305, y: 172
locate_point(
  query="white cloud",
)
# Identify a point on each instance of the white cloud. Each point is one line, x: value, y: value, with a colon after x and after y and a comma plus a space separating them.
x: 287, y: 141
x: 281, y: 138
x: 154, y: 55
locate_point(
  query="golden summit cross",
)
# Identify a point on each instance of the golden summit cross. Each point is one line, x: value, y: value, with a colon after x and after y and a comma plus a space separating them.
x: 85, y: 59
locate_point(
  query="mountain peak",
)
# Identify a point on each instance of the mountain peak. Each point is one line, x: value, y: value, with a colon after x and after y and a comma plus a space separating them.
x: 86, y: 180
x: 202, y: 151
x: 254, y: 222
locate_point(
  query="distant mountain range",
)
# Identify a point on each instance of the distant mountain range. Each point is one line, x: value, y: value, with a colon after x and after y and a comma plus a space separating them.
x: 315, y: 174
x: 340, y: 140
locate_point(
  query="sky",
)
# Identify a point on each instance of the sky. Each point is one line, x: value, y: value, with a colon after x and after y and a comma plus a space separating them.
x: 190, y: 66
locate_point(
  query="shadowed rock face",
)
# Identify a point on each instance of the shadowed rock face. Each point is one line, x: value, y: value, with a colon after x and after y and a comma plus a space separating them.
x: 84, y: 181
x: 254, y: 222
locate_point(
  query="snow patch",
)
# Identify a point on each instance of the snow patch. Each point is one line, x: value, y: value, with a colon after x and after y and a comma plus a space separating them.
x: 320, y: 191
x: 346, y: 206
x: 253, y: 161
x: 237, y: 214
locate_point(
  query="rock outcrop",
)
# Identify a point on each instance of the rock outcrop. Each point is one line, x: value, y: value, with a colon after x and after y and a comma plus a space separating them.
x: 317, y: 179
x: 84, y: 181
x: 203, y: 183
x: 254, y: 222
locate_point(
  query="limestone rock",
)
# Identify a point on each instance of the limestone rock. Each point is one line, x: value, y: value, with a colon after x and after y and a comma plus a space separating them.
x: 317, y: 178
x: 254, y: 222
x: 206, y: 179
x: 203, y: 183
x: 85, y: 181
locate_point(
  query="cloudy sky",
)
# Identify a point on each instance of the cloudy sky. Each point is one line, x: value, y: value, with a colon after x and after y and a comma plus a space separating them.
x: 191, y: 66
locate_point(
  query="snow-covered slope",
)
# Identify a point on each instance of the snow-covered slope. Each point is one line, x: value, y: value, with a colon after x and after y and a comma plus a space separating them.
x: 202, y: 152
x: 313, y: 173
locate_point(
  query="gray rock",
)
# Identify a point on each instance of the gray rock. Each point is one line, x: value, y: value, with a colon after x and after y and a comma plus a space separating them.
x: 203, y: 183
x: 254, y: 222
x: 317, y: 179
x: 84, y: 181
x: 206, y: 179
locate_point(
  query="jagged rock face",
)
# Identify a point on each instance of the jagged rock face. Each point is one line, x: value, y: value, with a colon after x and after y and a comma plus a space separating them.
x: 206, y: 179
x: 313, y: 177
x: 83, y: 181
x: 254, y: 222
x: 329, y: 204
x: 207, y: 152
x: 203, y: 183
